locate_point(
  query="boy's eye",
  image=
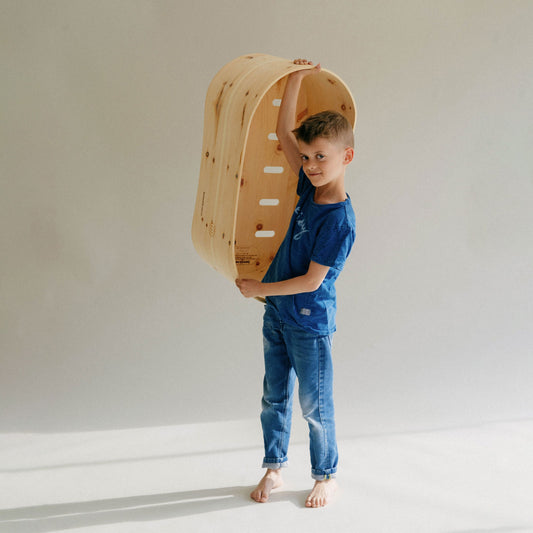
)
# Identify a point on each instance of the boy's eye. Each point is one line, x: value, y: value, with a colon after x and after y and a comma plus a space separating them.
x: 319, y: 156
x: 304, y: 158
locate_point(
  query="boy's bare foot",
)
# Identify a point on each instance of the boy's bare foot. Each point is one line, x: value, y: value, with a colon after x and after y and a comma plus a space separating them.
x: 322, y: 493
x: 270, y: 481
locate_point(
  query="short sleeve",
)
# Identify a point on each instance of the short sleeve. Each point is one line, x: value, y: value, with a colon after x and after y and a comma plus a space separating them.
x: 333, y: 244
x: 303, y: 182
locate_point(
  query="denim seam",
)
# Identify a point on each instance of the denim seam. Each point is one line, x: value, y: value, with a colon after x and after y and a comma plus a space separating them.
x: 320, y: 477
x: 283, y: 434
x: 286, y: 406
x: 321, y: 398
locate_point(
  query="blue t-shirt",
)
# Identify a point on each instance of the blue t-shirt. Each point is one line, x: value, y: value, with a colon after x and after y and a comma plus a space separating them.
x: 323, y: 233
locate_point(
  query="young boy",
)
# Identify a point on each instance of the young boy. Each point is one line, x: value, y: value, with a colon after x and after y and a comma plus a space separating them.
x: 300, y: 294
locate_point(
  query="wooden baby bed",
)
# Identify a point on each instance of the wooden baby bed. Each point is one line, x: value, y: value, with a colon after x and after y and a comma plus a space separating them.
x: 246, y: 190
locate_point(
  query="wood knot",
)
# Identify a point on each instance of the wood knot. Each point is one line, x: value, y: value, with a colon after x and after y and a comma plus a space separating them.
x: 259, y: 227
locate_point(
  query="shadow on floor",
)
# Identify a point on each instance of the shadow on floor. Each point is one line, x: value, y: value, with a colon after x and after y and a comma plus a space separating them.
x: 123, y: 460
x: 46, y: 518
x: 497, y: 530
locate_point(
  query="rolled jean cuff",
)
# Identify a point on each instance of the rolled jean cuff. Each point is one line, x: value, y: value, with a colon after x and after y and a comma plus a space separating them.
x: 322, y: 475
x: 274, y: 464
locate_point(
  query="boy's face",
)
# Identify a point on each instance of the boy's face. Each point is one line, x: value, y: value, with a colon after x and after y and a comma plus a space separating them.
x: 324, y: 161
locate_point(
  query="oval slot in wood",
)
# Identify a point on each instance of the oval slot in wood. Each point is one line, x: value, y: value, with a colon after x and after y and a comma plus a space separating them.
x: 272, y: 137
x: 273, y: 170
x: 269, y: 201
x: 265, y: 233
x: 276, y: 102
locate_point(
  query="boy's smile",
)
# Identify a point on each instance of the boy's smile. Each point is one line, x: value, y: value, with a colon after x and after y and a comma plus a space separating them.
x: 324, y: 163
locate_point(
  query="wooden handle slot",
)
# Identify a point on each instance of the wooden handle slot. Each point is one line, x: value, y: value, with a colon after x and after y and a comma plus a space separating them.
x: 246, y: 190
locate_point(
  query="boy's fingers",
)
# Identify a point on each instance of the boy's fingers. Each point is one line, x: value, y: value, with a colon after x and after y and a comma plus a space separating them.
x: 305, y: 62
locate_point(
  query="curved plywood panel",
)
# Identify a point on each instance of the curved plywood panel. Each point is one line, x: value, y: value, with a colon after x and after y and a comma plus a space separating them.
x: 246, y: 190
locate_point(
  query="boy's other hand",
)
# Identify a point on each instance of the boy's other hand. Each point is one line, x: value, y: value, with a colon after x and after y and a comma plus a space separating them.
x: 250, y: 288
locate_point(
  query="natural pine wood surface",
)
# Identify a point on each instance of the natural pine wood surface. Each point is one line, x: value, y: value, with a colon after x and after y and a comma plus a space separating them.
x: 246, y: 190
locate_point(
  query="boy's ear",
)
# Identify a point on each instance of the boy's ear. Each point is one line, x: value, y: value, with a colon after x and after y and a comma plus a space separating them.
x: 348, y: 155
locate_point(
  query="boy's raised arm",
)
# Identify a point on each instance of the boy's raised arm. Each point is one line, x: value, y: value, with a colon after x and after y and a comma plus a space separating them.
x: 287, y: 114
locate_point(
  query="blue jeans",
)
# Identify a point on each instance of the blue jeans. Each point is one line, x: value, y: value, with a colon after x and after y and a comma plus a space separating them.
x: 292, y: 352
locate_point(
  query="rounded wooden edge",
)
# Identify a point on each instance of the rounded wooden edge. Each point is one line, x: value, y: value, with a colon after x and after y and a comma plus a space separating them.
x: 286, y: 67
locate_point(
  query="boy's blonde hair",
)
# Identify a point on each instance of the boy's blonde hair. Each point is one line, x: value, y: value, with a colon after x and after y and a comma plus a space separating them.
x: 327, y: 124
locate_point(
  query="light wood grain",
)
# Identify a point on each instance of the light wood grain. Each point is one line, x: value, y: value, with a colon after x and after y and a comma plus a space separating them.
x: 239, y: 116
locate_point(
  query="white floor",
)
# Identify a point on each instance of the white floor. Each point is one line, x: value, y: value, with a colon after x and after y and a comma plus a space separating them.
x: 197, y: 478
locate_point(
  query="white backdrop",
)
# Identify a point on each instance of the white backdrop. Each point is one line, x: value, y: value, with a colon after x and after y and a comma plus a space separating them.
x: 108, y: 317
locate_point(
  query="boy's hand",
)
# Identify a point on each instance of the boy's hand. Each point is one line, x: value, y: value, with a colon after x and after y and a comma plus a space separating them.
x: 250, y: 288
x: 307, y: 71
